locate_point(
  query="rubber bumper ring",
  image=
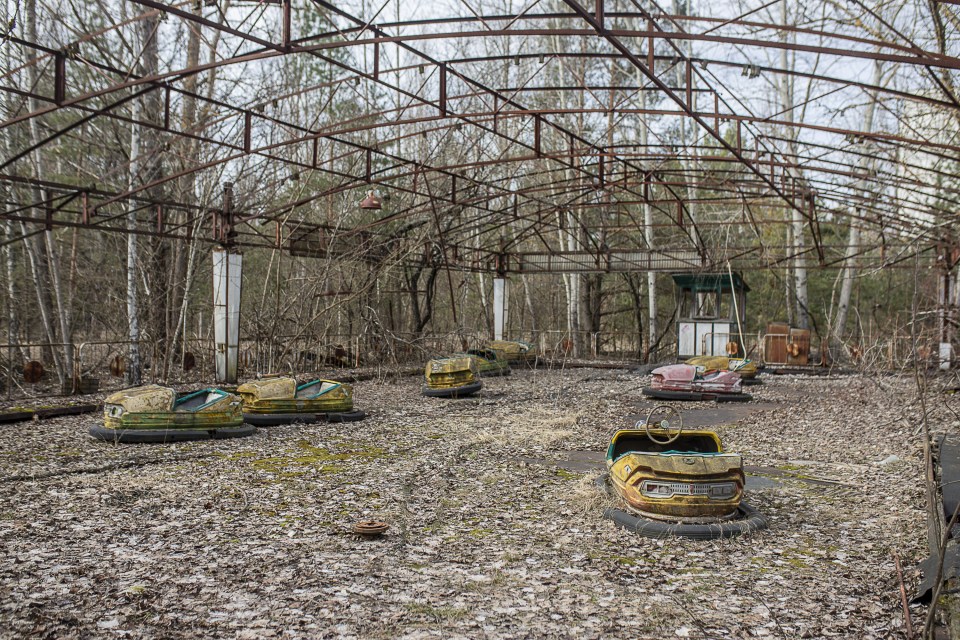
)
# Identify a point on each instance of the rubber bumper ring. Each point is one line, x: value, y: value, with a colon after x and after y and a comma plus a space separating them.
x: 454, y: 392
x: 748, y: 520
x: 144, y: 436
x: 693, y: 396
x: 275, y: 419
x: 346, y: 416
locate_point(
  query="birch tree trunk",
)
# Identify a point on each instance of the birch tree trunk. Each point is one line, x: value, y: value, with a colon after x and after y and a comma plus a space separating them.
x: 853, y: 238
x: 786, y: 86
x: 9, y: 246
x: 648, y: 236
x: 35, y: 250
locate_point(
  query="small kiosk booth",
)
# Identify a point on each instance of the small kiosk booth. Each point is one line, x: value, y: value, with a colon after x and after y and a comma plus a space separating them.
x: 709, y: 305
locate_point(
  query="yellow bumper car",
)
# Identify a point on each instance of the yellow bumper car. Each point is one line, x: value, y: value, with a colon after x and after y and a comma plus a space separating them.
x: 273, y: 401
x: 454, y: 377
x: 677, y: 482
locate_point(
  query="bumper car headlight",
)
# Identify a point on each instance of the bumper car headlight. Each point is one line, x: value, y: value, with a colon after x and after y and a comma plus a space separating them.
x: 113, y: 410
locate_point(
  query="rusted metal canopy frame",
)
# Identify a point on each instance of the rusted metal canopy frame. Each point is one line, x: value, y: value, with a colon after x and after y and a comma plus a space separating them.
x: 229, y: 158
x: 707, y: 114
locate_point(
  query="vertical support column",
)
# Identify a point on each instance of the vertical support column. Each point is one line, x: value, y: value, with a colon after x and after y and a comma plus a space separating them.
x: 943, y: 311
x: 227, y: 272
x: 501, y: 295
x: 536, y: 136
x: 443, y: 91
x: 651, y: 44
x: 285, y: 35
x: 59, y: 78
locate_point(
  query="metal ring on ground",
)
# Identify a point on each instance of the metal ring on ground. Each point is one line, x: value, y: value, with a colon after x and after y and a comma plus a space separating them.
x: 748, y: 520
x: 143, y: 436
x: 453, y: 392
x: 275, y: 419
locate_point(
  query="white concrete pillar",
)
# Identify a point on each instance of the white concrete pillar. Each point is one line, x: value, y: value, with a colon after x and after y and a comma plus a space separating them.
x: 227, y: 271
x: 501, y: 304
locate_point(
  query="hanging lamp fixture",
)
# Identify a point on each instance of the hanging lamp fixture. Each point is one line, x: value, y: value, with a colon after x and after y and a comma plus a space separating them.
x: 371, y: 202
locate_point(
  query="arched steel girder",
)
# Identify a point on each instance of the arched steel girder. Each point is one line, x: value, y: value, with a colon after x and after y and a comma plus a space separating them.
x: 631, y: 15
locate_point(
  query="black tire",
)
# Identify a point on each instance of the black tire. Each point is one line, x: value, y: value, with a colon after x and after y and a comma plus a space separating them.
x: 751, y: 382
x: 274, y: 419
x: 747, y: 520
x: 455, y: 392
x: 346, y: 416
x: 144, y: 436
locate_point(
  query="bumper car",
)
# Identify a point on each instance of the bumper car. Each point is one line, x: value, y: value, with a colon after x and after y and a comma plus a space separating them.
x: 274, y: 401
x: 489, y: 362
x: 677, y: 482
x: 455, y: 377
x: 155, y: 414
x: 513, y: 350
x: 746, y: 368
x: 685, y: 382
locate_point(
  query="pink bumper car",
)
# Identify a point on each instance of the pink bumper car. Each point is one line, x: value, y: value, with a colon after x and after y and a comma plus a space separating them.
x: 682, y: 382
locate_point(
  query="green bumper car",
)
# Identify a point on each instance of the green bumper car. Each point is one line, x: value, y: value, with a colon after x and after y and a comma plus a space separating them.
x: 155, y: 414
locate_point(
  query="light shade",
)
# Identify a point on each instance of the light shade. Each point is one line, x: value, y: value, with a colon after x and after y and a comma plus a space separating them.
x: 371, y: 202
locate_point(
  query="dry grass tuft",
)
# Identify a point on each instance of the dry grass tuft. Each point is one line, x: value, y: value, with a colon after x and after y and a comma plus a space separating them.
x: 539, y: 426
x: 589, y: 497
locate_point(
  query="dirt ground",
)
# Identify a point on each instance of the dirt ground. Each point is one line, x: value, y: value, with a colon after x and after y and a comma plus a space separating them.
x: 496, y: 527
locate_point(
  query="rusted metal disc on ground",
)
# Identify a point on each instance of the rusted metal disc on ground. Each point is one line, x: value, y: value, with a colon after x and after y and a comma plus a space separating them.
x: 370, y: 527
x: 189, y: 361
x: 118, y: 366
x: 32, y: 372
